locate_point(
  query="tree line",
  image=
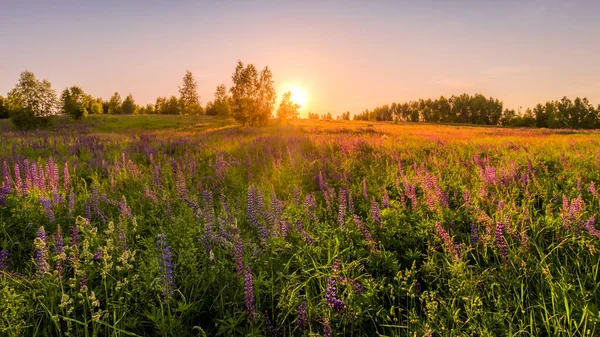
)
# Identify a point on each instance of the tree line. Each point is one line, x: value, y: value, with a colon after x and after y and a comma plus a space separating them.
x: 478, y: 109
x: 250, y: 101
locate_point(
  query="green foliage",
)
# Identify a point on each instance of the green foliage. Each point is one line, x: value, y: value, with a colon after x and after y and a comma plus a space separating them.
x: 577, y: 114
x: 252, y: 95
x: 114, y: 106
x: 74, y: 102
x: 287, y: 109
x: 221, y: 105
x: 3, y: 108
x: 129, y: 107
x: 32, y: 102
x: 96, y: 107
x: 25, y: 119
x: 189, y: 98
x: 171, y: 106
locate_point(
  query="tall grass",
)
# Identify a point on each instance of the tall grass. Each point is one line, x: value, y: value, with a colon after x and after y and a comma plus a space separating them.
x: 134, y: 226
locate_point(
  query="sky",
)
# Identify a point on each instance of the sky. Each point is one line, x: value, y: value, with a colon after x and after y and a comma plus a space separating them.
x: 346, y: 55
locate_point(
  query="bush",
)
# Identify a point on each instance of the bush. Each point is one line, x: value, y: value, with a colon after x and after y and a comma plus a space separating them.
x: 25, y: 119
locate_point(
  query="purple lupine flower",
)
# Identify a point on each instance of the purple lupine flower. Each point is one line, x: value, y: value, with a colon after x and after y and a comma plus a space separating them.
x: 97, y: 255
x: 47, y: 206
x: 302, y: 319
x: 18, y: 181
x: 355, y: 285
x: 571, y: 211
x: 66, y: 178
x: 124, y: 210
x: 165, y: 265
x: 56, y: 198
x: 530, y: 168
x: 181, y: 185
x: 591, y: 228
x: 42, y: 179
x: 73, y: 237
x: 52, y: 174
x: 336, y: 268
x: 149, y: 195
x: 327, y: 332
x: 579, y: 184
x: 6, y: 181
x: 467, y: 197
x: 448, y: 242
x: 156, y: 181
x: 365, y: 233
x: 593, y: 190
x: 251, y: 201
x: 365, y: 189
x: 249, y: 295
x: 342, y: 209
x: 88, y: 211
x: 285, y: 227
x: 386, y: 198
x: 239, y: 257
x: 71, y: 204
x: 259, y: 201
x: 331, y: 296
x: 40, y: 255
x: 35, y: 183
x: 271, y: 330
x: 3, y: 260
x: 375, y: 213
x: 418, y: 287
x: 59, y: 249
x: 474, y: 234
x: 302, y: 232
x: 350, y: 203
x: 502, y: 248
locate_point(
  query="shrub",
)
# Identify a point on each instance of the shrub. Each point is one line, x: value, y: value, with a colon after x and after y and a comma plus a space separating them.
x: 25, y: 119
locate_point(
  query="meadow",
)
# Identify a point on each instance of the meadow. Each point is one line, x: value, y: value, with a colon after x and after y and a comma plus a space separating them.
x: 195, y: 226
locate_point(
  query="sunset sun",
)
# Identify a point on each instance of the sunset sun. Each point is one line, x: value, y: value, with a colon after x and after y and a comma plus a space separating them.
x: 298, y: 96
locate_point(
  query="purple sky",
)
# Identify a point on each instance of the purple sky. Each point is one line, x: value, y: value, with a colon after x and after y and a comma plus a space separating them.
x: 346, y: 55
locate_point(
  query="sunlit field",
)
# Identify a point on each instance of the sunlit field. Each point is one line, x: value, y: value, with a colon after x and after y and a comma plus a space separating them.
x: 196, y: 226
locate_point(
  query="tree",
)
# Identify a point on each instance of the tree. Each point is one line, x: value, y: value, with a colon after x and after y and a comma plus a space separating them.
x: 74, y: 102
x: 221, y: 102
x: 171, y: 106
x: 252, y: 95
x: 287, y: 108
x: 129, y: 107
x: 3, y: 108
x: 96, y: 106
x: 32, y: 102
x: 221, y: 105
x: 115, y: 104
x: 190, y: 100
x: 266, y: 97
x: 445, y: 109
x: 147, y: 110
x: 33, y: 95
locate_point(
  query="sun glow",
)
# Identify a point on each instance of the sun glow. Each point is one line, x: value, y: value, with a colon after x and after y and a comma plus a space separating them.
x: 298, y: 96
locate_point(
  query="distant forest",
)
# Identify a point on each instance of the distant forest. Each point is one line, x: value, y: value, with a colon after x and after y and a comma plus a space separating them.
x: 251, y: 101
x: 477, y: 109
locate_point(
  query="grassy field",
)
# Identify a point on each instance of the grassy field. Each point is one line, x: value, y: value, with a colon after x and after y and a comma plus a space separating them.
x: 194, y: 226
